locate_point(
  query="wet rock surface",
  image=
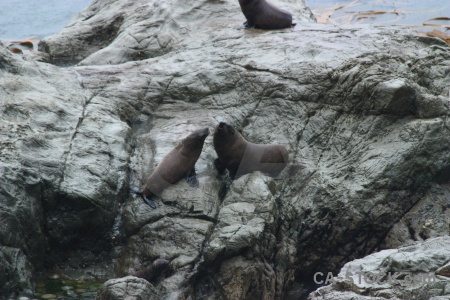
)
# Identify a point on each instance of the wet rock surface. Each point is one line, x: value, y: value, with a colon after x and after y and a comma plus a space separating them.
x: 136, y: 30
x: 362, y: 111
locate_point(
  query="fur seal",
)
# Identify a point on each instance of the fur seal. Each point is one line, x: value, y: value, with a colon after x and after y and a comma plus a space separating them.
x: 152, y: 272
x: 264, y: 15
x: 179, y: 163
x: 241, y: 157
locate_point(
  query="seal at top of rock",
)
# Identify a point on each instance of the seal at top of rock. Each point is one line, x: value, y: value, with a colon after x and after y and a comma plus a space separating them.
x: 179, y: 163
x: 241, y: 157
x: 264, y: 15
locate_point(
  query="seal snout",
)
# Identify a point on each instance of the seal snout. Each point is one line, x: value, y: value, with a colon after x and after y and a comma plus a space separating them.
x: 205, y: 131
x: 221, y: 125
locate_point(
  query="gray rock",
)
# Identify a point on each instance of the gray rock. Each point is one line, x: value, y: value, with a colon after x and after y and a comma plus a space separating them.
x: 114, y: 33
x: 409, y: 272
x: 247, y: 210
x: 243, y: 240
x: 16, y: 271
x: 129, y: 288
x: 430, y: 217
x: 326, y: 294
x: 177, y: 239
x: 362, y: 110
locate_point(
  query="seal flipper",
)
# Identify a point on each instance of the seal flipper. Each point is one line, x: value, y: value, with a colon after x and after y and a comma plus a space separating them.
x: 150, y: 202
x: 191, y: 178
x: 247, y: 24
x: 147, y: 200
x: 219, y: 166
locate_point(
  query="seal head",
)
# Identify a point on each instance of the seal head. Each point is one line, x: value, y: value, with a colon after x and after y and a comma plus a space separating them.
x: 241, y: 157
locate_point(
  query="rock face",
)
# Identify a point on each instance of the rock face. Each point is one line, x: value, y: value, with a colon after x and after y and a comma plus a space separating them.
x: 130, y: 288
x: 411, y: 272
x: 114, y: 33
x: 15, y: 270
x: 362, y: 111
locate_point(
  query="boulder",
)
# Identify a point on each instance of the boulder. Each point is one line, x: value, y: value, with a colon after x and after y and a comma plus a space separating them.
x: 410, y: 272
x: 129, y: 288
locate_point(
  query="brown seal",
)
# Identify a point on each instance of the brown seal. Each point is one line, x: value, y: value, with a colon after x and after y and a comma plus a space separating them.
x: 179, y: 163
x: 264, y: 15
x: 241, y: 157
x: 152, y: 272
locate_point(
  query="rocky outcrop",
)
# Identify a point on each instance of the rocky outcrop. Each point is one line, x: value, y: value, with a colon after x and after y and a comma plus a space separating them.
x: 410, y: 272
x: 130, y: 288
x: 429, y: 217
x: 15, y: 270
x: 118, y: 32
x: 362, y: 111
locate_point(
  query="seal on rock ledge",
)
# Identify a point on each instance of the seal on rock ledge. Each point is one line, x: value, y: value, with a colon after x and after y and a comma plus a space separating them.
x: 179, y: 163
x: 264, y: 15
x: 153, y: 271
x: 242, y: 157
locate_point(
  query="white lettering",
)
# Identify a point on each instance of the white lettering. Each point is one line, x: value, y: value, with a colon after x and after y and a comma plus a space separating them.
x: 315, y: 278
x: 329, y: 278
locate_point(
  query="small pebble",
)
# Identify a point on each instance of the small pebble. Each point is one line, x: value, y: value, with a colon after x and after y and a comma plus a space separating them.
x: 54, y: 276
x: 87, y: 295
x: 72, y: 294
x: 27, y: 293
x: 49, y: 296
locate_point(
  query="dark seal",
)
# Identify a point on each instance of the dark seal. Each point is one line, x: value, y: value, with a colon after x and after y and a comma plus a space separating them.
x: 241, y: 157
x: 262, y: 14
x: 152, y: 272
x: 179, y: 163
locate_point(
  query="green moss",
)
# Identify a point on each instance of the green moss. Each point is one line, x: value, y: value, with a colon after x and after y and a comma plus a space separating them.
x: 82, y: 289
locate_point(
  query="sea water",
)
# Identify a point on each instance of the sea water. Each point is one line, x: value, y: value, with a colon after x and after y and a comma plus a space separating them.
x: 22, y: 19
x: 411, y: 13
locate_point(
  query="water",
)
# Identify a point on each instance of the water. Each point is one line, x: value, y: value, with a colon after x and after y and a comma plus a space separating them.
x: 22, y: 19
x: 414, y: 13
x: 54, y: 288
